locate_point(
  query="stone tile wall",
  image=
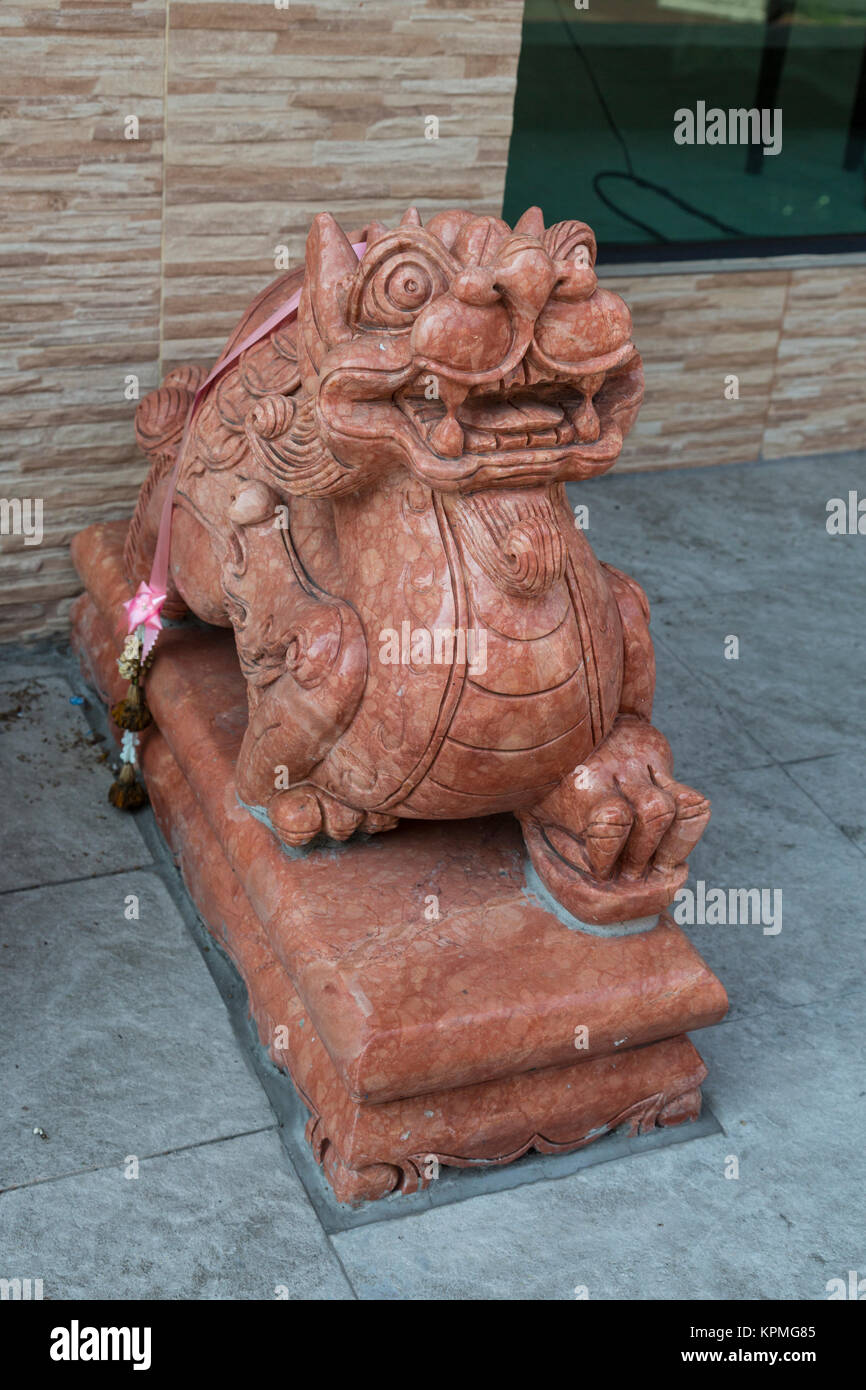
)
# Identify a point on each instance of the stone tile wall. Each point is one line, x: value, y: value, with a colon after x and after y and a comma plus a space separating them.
x: 124, y: 257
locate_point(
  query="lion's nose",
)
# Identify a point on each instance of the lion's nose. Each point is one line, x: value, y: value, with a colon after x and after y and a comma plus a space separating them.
x: 476, y: 286
x: 526, y: 274
x: 523, y: 273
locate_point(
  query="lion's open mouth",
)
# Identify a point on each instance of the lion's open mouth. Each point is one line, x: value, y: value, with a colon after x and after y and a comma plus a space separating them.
x: 520, y: 415
x: 491, y: 422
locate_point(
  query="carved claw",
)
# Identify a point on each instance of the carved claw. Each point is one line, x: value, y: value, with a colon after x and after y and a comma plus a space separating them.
x: 690, y: 821
x: 296, y: 816
x: 302, y: 813
x: 606, y: 833
x: 610, y: 842
x: 654, y: 810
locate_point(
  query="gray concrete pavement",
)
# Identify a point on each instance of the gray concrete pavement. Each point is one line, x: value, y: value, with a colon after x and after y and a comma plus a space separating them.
x: 117, y: 1044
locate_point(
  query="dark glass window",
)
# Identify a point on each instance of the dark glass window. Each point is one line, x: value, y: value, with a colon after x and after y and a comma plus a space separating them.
x: 598, y: 92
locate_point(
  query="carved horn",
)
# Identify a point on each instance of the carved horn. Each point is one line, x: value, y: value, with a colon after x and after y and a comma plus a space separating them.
x: 531, y: 223
x: 329, y: 260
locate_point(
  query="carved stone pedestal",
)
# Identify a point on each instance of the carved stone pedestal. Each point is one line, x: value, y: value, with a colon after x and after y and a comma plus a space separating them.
x: 428, y: 1007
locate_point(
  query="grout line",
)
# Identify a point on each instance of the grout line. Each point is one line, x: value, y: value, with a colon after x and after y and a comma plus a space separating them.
x: 142, y: 1158
x: 80, y: 878
x: 854, y: 992
x: 861, y: 849
x: 813, y: 758
x: 709, y: 684
x: 329, y: 1237
x: 774, y: 368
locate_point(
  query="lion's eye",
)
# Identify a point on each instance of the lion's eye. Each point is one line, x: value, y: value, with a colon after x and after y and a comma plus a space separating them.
x: 398, y: 289
x: 408, y: 287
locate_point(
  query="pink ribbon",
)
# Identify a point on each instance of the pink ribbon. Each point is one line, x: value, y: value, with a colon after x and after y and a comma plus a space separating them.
x: 143, y: 612
x: 144, y: 609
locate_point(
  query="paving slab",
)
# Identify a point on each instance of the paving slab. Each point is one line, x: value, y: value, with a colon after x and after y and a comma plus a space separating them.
x: 704, y: 735
x: 219, y: 1221
x: 670, y: 1224
x: 766, y: 833
x: 113, y: 1038
x: 838, y: 785
x: 21, y: 661
x: 796, y: 684
x: 696, y: 532
x: 745, y: 551
x: 58, y: 824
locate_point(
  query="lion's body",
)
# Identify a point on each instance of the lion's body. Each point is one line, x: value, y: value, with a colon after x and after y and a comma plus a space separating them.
x: 373, y: 497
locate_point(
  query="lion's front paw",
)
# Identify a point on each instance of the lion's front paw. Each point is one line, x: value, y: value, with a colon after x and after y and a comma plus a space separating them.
x: 611, y: 841
x: 304, y: 813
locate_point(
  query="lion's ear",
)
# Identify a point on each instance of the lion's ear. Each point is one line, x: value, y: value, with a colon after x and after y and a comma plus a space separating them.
x: 562, y: 240
x: 330, y: 260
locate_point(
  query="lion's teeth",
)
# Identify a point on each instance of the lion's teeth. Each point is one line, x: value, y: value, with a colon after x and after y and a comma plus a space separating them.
x: 446, y: 438
x: 587, y: 425
x: 479, y: 441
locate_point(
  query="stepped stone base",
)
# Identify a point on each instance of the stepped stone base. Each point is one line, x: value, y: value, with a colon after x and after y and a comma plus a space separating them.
x: 464, y: 1040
